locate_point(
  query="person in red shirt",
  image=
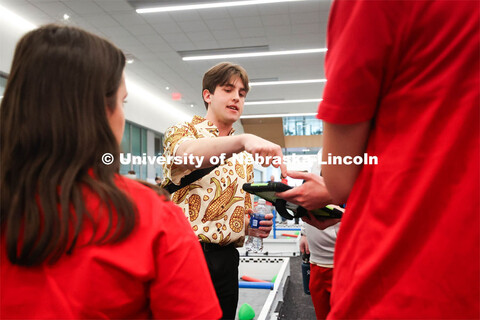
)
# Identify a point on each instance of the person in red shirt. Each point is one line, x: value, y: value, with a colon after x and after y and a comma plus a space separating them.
x: 403, y: 85
x: 78, y: 240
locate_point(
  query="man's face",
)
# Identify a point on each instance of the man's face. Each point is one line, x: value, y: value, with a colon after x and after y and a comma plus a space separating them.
x: 226, y: 103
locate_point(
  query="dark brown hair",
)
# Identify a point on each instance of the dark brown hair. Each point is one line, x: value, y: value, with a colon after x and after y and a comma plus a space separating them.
x: 54, y: 130
x: 221, y: 74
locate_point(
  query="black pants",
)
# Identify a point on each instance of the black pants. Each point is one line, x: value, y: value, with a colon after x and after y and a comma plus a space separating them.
x: 223, y: 266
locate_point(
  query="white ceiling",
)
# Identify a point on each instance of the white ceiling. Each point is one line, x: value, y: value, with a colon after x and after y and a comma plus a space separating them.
x: 155, y: 38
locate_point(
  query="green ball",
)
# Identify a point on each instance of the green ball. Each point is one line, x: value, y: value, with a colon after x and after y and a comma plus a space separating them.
x: 274, y: 278
x: 246, y: 312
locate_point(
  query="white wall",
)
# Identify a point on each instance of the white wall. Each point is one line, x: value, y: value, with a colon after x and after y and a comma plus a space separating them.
x: 150, y: 110
x: 11, y: 29
x: 145, y: 106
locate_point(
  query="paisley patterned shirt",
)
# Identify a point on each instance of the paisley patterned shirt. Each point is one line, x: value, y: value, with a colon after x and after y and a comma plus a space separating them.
x: 216, y: 204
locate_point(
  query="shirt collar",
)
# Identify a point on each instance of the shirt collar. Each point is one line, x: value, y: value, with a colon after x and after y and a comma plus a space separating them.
x: 208, y: 125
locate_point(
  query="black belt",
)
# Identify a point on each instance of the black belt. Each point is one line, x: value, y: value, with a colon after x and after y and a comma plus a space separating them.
x: 215, y: 246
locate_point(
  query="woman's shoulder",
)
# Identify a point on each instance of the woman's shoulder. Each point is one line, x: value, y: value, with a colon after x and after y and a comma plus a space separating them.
x: 153, y: 203
x: 141, y: 188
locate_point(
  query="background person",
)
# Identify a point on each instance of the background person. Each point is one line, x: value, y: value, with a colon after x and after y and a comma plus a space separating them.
x: 320, y: 244
x: 216, y: 204
x: 78, y: 240
x: 131, y: 174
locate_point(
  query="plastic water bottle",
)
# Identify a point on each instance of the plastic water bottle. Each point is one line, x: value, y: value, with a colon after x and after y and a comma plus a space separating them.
x: 306, y: 272
x: 254, y: 243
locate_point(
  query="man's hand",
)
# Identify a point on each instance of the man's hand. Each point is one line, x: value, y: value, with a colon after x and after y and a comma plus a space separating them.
x: 265, y: 149
x: 265, y: 225
x: 304, y: 245
x: 311, y: 195
x: 318, y: 222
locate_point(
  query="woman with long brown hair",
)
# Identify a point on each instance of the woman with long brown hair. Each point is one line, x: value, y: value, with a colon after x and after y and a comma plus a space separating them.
x: 77, y: 239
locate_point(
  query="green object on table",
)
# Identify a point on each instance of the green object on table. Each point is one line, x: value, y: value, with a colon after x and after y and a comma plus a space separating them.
x: 246, y: 312
x: 274, y: 279
x: 297, y: 233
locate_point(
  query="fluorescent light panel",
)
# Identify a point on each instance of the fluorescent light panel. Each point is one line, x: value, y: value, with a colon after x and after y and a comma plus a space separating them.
x: 254, y: 54
x: 15, y: 20
x: 225, y: 4
x: 278, y: 115
x: 251, y: 103
x: 273, y: 83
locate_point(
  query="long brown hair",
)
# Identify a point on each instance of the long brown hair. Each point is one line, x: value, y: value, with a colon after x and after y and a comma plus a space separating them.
x: 53, y: 132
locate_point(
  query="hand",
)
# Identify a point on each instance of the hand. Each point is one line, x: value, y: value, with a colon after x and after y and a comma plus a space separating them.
x: 265, y: 226
x: 264, y: 148
x: 311, y: 195
x: 247, y: 220
x: 318, y: 222
x: 304, y: 245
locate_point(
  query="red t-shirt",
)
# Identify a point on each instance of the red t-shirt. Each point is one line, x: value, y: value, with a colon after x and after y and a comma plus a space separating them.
x: 409, y: 242
x: 159, y: 271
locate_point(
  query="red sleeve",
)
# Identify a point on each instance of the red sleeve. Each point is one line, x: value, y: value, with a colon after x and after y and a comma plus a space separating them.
x: 359, y: 40
x: 182, y: 288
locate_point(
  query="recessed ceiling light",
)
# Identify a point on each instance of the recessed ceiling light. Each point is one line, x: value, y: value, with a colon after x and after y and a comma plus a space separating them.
x: 254, y: 54
x: 66, y: 17
x: 167, y: 88
x: 250, y: 103
x: 225, y: 4
x: 278, y: 115
x: 273, y: 83
x: 129, y: 58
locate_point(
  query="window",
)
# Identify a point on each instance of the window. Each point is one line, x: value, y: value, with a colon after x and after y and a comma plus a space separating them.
x: 125, y: 147
x: 3, y: 83
x: 158, y: 149
x: 135, y: 141
x: 302, y: 126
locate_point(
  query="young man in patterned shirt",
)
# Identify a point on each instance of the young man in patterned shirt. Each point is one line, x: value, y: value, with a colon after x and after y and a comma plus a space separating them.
x: 216, y: 205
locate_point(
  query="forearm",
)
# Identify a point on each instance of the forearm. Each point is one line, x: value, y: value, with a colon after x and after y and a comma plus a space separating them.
x: 343, y: 140
x: 209, y: 147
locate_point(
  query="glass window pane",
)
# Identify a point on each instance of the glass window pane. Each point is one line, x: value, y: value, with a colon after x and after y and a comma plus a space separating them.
x: 158, y: 149
x: 125, y: 148
x: 3, y: 84
x: 143, y: 169
x: 144, y: 141
x: 136, y: 146
x: 302, y: 126
x: 158, y: 145
x: 136, y: 140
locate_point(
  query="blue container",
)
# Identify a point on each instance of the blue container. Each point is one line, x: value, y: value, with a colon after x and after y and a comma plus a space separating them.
x: 306, y: 277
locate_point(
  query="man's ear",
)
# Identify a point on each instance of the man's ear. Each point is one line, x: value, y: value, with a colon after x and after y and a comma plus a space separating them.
x: 207, y: 96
